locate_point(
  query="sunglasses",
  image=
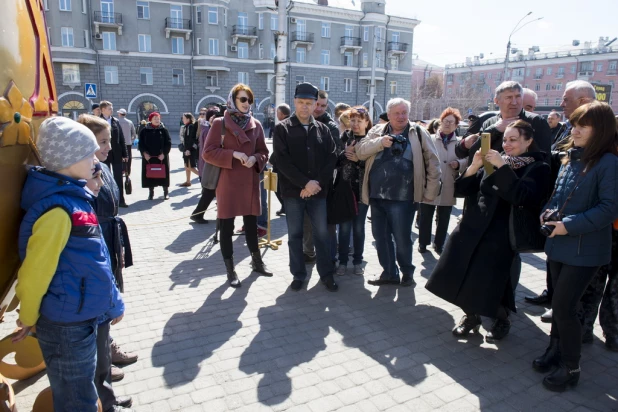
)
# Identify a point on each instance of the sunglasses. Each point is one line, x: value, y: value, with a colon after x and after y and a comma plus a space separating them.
x: 244, y: 100
x: 202, y: 114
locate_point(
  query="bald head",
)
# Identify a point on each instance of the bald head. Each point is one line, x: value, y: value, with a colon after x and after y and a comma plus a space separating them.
x: 577, y: 93
x: 530, y: 99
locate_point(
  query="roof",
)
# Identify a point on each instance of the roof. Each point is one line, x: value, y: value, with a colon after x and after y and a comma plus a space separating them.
x: 340, y: 4
x: 423, y: 63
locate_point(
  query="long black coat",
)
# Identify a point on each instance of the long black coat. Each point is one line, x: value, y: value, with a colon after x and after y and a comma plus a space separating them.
x: 119, y: 149
x: 475, y: 270
x: 154, y: 141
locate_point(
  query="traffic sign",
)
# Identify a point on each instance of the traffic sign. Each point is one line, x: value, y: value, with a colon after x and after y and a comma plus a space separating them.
x: 90, y: 90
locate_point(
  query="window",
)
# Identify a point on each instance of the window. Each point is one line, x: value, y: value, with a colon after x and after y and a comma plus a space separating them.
x: 538, y: 73
x: 368, y: 86
x: 109, y: 40
x: 548, y: 71
x: 613, y: 65
x: 111, y: 74
x: 198, y: 15
x: 587, y: 67
x: 70, y: 74
x: 558, y: 101
x: 243, y: 77
x: 213, y: 47
x: 301, y: 55
x: 176, y: 16
x: 527, y: 72
x: 325, y: 29
x: 143, y: 10
x: 537, y: 87
x: 611, y: 83
x: 273, y: 51
x: 178, y: 45
x: 301, y: 26
x: 243, y: 50
x: 260, y: 21
x: 213, y: 15
x: 379, y: 59
x: 145, y: 43
x: 365, y: 60
x: 198, y: 46
x: 560, y: 73
x: 395, y: 36
x: 349, y: 31
x: 489, y: 76
x: 145, y: 75
x: 86, y: 39
x: 84, y: 7
x: 260, y: 51
x: 274, y: 22
x: 65, y: 5
x: 379, y: 33
x: 366, y: 33
x: 224, y: 17
x: 548, y: 86
x: 300, y: 79
x: 178, y: 77
x: 243, y: 19
x: 211, y: 79
x: 573, y: 69
x: 347, y: 85
x: 449, y: 78
x: 546, y: 102
x: 393, y: 88
x: 348, y: 59
x: 45, y: 5
x: 324, y: 83
x: 600, y: 67
x: 394, y: 64
x: 558, y: 86
x: 325, y: 58
x: 67, y: 37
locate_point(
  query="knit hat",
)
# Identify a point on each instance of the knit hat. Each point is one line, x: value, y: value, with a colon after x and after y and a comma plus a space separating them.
x: 63, y: 142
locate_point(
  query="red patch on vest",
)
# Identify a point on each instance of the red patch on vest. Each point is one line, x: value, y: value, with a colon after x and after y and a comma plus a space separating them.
x: 84, y: 219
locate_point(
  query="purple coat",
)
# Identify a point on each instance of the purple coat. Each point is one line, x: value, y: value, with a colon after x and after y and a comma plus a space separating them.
x: 204, y: 127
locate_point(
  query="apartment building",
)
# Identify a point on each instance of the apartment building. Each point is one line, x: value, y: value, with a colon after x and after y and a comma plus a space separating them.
x: 545, y: 72
x: 177, y: 56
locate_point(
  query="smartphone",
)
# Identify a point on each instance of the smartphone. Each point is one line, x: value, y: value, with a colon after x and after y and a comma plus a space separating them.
x: 485, y: 147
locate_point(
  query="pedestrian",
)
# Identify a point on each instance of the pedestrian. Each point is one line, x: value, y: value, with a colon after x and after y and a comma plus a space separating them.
x: 207, y: 195
x: 155, y: 145
x: 305, y: 155
x: 578, y: 219
x: 283, y: 112
x: 96, y: 110
x: 128, y: 131
x: 118, y: 156
x: 69, y: 296
x: 190, y: 148
x: 401, y: 168
x: 236, y: 144
x: 529, y: 100
x: 444, y: 140
x: 556, y: 127
x: 352, y: 171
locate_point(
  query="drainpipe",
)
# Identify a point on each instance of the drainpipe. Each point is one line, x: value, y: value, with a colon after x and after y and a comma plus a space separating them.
x: 192, y: 52
x: 386, y: 66
x: 92, y: 43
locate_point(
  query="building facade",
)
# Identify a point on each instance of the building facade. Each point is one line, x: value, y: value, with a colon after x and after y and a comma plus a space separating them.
x: 546, y: 73
x: 177, y: 56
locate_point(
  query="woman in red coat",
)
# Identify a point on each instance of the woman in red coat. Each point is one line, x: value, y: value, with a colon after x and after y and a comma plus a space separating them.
x: 241, y: 154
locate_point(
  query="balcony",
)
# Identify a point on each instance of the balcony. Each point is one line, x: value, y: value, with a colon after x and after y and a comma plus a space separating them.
x: 611, y: 72
x: 394, y: 48
x: 350, y: 43
x: 105, y: 19
x: 538, y: 76
x: 301, y: 38
x: 244, y: 33
x: 181, y: 26
x: 559, y: 75
x: 585, y: 75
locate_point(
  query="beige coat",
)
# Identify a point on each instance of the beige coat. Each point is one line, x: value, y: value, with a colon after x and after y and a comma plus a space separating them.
x: 426, y: 187
x: 449, y: 175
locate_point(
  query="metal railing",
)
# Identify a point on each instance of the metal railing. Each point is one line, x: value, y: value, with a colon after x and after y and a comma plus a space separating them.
x: 397, y: 47
x: 301, y: 36
x: 105, y: 17
x: 351, y: 41
x: 174, y: 23
x: 244, y: 31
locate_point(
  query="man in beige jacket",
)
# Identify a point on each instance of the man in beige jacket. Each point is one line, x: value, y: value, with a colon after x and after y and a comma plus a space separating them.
x: 401, y: 169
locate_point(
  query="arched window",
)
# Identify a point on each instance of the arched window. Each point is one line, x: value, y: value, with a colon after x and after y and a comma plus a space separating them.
x: 144, y: 110
x: 72, y: 109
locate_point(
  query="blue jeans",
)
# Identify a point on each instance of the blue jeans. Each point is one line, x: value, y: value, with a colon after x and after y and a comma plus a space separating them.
x: 295, y: 209
x: 357, y: 227
x: 70, y: 353
x: 263, y: 218
x: 392, y: 220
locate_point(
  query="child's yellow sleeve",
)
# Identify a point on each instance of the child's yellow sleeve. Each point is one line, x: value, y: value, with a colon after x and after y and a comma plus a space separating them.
x: 50, y: 235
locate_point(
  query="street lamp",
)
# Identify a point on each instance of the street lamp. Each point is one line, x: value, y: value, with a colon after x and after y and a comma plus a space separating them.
x: 508, y: 45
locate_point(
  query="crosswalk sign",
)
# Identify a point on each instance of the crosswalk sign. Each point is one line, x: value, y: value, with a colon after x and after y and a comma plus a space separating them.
x: 90, y: 90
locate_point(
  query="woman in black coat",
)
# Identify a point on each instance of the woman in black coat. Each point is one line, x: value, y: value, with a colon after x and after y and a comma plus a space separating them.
x: 190, y: 147
x: 478, y: 270
x: 155, y: 145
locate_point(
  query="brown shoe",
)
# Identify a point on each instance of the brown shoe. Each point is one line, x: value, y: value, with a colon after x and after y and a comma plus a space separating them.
x: 119, y: 357
x: 117, y: 374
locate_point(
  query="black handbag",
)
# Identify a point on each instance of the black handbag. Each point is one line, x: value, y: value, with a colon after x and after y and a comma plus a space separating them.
x: 210, y: 174
x: 341, y: 203
x: 128, y: 186
x: 181, y: 147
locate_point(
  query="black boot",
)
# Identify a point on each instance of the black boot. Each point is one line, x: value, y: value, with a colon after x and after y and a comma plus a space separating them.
x: 561, y: 378
x: 258, y: 265
x: 550, y: 358
x: 151, y: 193
x: 499, y: 329
x: 166, y: 195
x: 467, y: 324
x: 232, y: 277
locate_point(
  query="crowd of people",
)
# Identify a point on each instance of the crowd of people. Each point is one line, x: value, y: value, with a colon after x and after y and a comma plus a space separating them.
x: 528, y: 184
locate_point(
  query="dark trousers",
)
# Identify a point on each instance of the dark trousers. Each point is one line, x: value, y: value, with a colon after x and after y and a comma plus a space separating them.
x: 426, y: 221
x: 127, y: 164
x: 295, y: 209
x: 570, y: 283
x: 278, y: 192
x: 117, y: 172
x: 207, y: 197
x: 103, y: 373
x: 356, y: 227
x: 226, y: 227
x: 603, y: 291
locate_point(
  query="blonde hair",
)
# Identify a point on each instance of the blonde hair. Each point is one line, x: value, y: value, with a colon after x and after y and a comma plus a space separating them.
x: 94, y: 123
x: 344, y: 119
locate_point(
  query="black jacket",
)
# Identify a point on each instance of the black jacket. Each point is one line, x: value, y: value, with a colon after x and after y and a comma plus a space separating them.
x: 119, y: 149
x: 303, y: 155
x: 155, y: 141
x: 332, y: 126
x: 190, y: 137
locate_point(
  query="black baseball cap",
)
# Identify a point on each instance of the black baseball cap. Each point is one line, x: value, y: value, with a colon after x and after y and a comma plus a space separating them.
x: 95, y: 106
x: 306, y: 91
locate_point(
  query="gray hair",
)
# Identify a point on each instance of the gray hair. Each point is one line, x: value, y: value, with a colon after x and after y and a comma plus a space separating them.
x: 582, y: 88
x: 396, y: 101
x: 507, y: 86
x: 554, y: 113
x: 285, y: 109
x: 532, y: 93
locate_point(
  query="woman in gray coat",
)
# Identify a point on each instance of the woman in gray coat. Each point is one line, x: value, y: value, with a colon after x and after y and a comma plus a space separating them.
x: 577, y: 220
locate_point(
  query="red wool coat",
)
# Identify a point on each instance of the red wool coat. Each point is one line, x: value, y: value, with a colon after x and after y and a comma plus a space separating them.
x: 238, y: 190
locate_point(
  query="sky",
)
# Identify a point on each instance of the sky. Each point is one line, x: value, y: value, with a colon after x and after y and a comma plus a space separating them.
x: 451, y: 30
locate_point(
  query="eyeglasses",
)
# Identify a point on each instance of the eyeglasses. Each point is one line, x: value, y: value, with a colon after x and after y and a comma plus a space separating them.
x: 448, y: 122
x: 202, y: 114
x: 244, y: 100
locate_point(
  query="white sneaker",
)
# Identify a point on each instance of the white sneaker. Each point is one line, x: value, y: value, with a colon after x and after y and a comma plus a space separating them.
x: 341, y: 270
x: 359, y: 270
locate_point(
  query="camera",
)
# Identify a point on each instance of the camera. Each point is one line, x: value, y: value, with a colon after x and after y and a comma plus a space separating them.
x: 550, y: 215
x: 399, y: 144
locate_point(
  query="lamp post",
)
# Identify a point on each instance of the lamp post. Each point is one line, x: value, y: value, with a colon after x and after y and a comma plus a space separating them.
x: 508, y: 45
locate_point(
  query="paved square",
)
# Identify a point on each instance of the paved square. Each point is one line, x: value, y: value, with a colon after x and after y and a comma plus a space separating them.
x: 204, y: 346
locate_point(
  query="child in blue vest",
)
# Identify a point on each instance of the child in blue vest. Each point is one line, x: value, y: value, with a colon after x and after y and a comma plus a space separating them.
x: 65, y: 284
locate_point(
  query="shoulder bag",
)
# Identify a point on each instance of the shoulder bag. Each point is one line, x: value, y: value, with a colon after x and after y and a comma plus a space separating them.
x: 210, y: 175
x: 155, y: 170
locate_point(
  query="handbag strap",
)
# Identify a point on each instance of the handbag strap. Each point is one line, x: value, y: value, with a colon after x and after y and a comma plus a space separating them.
x: 570, y: 194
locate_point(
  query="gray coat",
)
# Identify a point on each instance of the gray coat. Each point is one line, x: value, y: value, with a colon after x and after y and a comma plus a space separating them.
x: 446, y: 155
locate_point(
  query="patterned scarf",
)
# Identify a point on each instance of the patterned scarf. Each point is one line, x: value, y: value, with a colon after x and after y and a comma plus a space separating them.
x: 446, y: 138
x: 240, y: 118
x: 517, y: 162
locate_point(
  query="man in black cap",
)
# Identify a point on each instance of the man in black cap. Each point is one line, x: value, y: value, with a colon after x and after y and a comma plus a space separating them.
x: 96, y: 110
x: 305, y: 154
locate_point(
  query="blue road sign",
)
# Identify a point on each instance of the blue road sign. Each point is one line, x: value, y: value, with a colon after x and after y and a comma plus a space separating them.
x: 90, y: 90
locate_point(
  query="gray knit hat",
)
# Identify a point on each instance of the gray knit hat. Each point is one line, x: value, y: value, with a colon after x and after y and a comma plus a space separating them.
x: 63, y: 142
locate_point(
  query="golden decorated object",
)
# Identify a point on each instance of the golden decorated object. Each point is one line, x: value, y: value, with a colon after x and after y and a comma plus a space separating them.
x: 270, y: 184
